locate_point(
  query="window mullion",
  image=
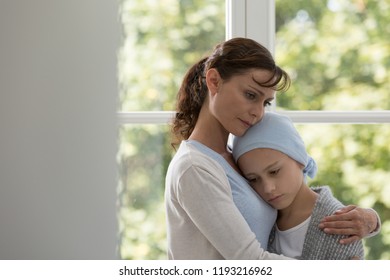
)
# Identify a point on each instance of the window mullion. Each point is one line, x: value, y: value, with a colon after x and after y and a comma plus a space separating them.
x: 350, y: 117
x: 251, y: 19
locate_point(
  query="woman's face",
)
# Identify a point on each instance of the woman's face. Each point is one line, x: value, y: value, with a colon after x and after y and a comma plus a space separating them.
x: 239, y: 102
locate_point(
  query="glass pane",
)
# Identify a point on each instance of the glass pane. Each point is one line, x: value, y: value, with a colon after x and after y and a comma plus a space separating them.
x: 337, y: 53
x: 162, y: 38
x: 143, y: 158
x: 354, y: 162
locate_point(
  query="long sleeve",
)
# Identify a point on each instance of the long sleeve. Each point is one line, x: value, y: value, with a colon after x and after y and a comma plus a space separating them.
x: 378, y: 227
x: 203, y: 221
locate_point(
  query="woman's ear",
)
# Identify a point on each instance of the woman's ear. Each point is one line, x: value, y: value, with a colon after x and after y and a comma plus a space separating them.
x: 213, y: 80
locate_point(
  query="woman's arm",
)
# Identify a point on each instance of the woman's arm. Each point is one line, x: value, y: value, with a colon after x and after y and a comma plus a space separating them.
x: 354, y: 221
x: 208, y: 201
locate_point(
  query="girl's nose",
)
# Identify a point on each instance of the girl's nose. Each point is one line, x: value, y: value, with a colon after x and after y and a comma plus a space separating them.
x: 269, y: 186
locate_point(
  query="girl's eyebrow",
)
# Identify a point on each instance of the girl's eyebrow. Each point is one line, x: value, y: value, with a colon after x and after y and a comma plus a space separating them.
x: 272, y: 165
x: 246, y: 175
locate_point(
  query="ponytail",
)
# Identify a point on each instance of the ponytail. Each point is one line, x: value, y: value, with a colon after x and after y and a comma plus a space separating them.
x: 190, y: 98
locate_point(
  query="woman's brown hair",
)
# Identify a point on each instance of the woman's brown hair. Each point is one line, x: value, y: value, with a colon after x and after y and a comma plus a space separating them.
x: 233, y: 57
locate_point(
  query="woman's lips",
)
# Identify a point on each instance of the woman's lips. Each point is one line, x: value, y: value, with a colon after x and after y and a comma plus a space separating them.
x: 247, y: 124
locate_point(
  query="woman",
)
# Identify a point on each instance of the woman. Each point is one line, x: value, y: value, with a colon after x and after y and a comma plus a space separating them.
x: 212, y: 213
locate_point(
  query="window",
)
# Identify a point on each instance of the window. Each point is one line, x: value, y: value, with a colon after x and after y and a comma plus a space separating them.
x: 161, y: 40
x: 339, y: 98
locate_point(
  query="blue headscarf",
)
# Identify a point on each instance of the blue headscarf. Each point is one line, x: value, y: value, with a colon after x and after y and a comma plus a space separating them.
x: 277, y: 132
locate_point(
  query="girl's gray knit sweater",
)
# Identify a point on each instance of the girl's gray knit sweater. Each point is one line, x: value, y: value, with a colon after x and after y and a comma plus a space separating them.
x: 319, y: 245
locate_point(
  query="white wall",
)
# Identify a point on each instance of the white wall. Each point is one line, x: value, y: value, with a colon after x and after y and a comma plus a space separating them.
x: 58, y: 95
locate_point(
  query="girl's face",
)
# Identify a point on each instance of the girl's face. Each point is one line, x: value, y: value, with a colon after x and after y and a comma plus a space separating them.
x: 239, y: 102
x: 276, y: 177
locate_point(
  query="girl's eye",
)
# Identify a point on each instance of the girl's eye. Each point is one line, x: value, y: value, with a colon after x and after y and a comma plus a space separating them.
x: 267, y: 103
x: 274, y: 172
x: 251, y: 180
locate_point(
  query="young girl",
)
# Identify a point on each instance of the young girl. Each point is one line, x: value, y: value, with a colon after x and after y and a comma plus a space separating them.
x: 273, y: 158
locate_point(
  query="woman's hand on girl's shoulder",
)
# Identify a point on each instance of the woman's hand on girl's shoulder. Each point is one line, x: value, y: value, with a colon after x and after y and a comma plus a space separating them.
x: 351, y: 220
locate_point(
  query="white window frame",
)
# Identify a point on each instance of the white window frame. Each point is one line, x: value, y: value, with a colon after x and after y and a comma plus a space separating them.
x: 255, y: 19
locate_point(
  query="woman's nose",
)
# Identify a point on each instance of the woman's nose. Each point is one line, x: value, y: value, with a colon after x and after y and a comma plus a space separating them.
x: 257, y: 113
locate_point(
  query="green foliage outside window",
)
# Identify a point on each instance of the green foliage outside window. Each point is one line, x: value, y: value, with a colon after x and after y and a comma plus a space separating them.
x: 161, y: 40
x: 337, y: 53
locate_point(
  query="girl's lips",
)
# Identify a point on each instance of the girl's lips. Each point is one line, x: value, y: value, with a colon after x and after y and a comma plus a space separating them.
x: 274, y: 198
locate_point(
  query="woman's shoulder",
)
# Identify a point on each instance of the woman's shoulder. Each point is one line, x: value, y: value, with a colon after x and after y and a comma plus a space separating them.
x: 189, y: 156
x: 190, y: 169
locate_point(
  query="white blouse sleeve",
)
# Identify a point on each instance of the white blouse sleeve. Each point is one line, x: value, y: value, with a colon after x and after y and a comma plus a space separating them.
x: 378, y: 227
x: 207, y: 199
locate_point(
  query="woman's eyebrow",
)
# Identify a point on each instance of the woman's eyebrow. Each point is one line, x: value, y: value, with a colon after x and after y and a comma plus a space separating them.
x: 263, y: 84
x: 257, y: 90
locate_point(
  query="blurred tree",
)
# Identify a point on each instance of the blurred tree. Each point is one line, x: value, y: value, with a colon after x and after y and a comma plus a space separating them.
x: 161, y: 40
x: 338, y: 54
x: 165, y: 37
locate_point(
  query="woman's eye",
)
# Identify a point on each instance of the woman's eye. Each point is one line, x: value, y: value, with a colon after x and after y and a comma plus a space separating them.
x: 267, y: 103
x: 250, y: 95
